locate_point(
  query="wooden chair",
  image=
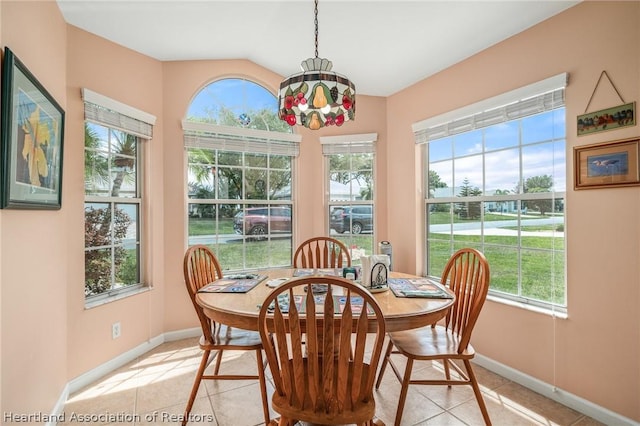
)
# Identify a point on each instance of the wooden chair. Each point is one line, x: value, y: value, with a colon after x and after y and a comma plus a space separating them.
x: 200, y: 268
x: 321, y: 252
x: 320, y: 382
x: 467, y: 275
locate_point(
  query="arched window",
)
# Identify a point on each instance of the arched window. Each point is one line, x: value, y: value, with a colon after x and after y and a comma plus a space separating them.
x: 238, y: 103
x: 240, y: 158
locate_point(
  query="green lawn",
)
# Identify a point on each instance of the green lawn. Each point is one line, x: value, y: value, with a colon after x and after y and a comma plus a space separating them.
x: 207, y: 226
x: 541, y: 268
x: 437, y: 218
x: 542, y: 262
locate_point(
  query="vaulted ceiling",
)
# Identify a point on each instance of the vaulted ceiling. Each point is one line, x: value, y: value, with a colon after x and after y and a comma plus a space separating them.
x: 383, y: 46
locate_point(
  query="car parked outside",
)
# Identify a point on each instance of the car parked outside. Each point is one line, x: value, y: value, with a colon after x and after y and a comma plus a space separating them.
x: 261, y: 221
x: 356, y: 219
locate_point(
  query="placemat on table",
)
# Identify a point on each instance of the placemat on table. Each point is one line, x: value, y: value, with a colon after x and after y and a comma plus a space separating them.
x: 240, y: 283
x: 339, y: 303
x: 418, y: 287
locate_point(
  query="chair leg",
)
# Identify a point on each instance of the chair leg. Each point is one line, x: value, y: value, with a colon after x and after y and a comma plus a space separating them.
x: 476, y: 391
x: 385, y: 361
x: 218, y: 362
x: 196, y: 384
x: 447, y: 371
x: 403, y: 391
x: 263, y: 387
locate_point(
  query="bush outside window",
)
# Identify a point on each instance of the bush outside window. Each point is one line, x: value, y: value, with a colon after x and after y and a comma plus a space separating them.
x: 112, y: 211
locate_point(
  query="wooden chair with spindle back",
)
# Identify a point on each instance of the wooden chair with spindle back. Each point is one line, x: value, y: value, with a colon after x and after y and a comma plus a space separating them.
x: 321, y: 252
x: 467, y: 275
x: 330, y: 379
x: 200, y: 268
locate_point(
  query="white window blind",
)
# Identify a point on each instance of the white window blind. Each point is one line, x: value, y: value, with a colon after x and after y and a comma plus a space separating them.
x: 226, y: 138
x: 105, y: 111
x: 349, y: 144
x: 535, y: 98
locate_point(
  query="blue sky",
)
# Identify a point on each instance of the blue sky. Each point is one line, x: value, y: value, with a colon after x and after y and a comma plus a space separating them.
x: 241, y: 95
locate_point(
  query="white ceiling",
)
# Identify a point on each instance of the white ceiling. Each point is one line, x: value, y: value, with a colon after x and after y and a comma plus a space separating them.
x: 383, y: 46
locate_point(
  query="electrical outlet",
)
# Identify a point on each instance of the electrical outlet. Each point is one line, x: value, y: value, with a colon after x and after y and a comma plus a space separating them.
x: 115, y: 330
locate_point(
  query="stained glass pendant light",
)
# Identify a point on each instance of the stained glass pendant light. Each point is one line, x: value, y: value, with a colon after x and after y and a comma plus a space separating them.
x: 317, y: 97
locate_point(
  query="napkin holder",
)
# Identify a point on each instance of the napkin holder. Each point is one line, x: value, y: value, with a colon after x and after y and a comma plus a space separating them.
x: 375, y: 272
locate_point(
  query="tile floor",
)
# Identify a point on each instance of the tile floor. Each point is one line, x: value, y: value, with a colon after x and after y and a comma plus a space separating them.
x: 154, y: 389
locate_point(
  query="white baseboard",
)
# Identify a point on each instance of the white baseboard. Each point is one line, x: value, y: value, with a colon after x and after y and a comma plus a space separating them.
x: 172, y: 336
x: 577, y: 403
x: 570, y: 400
x: 117, y: 362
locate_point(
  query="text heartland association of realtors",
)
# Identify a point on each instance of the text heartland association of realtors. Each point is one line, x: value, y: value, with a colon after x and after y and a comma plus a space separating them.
x: 106, y: 417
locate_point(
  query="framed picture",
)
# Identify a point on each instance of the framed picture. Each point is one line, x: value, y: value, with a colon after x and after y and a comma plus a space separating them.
x: 606, y: 164
x: 607, y: 119
x: 32, y: 140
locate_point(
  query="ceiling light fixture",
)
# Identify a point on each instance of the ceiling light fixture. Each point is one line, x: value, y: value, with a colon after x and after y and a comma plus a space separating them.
x: 317, y: 97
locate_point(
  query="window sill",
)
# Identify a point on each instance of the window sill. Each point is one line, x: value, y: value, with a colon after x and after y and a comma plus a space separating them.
x: 99, y: 301
x: 529, y: 307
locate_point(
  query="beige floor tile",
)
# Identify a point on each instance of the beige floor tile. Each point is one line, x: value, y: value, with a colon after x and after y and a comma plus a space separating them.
x: 238, y: 407
x: 536, y: 406
x: 488, y: 379
x: 444, y: 419
x: 470, y: 414
x: 417, y: 407
x: 98, y: 403
x: 153, y: 390
x: 201, y: 415
x: 234, y: 362
x: 174, y: 386
x: 587, y: 421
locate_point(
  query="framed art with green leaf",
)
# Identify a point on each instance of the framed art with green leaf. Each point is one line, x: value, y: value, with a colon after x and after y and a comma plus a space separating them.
x: 32, y: 140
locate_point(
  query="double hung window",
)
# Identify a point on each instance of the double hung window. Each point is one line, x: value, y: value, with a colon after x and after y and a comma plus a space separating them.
x: 240, y: 201
x: 113, y: 208
x: 495, y: 177
x: 350, y: 182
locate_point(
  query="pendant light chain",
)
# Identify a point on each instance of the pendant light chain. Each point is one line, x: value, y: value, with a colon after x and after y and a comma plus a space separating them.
x: 316, y: 24
x: 317, y: 97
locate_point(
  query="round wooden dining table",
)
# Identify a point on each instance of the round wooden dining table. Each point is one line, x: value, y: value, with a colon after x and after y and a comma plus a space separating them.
x: 400, y: 313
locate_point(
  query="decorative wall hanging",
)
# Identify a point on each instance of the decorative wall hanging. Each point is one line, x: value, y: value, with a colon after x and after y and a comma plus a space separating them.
x: 606, y: 164
x: 606, y: 119
x: 32, y: 139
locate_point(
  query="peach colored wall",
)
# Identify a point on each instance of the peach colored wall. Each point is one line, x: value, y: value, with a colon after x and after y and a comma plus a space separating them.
x: 594, y: 353
x: 135, y: 80
x: 1, y: 316
x: 33, y: 266
x: 182, y: 81
x: 45, y: 303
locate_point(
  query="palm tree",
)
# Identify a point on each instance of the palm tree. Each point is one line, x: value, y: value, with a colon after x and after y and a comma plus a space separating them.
x: 102, y: 226
x: 96, y: 166
x: 124, y: 161
x: 96, y: 162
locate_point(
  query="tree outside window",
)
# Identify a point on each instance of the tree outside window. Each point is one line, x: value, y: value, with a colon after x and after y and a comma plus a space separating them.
x: 500, y: 189
x: 112, y: 210
x: 240, y: 194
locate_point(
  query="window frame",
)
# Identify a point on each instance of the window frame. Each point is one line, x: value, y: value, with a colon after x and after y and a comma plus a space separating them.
x: 245, y: 142
x: 349, y: 145
x: 117, y: 116
x: 453, y: 123
x: 139, y: 201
